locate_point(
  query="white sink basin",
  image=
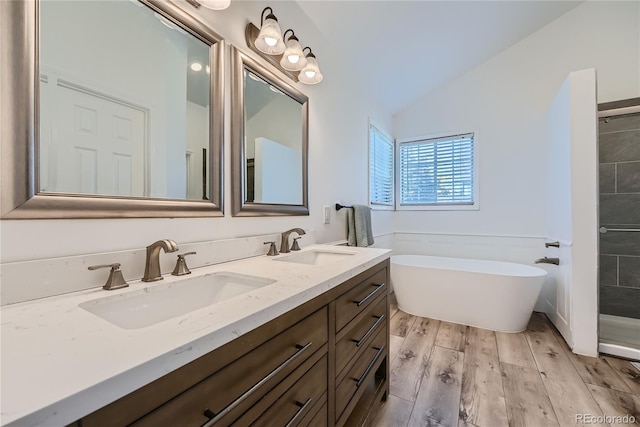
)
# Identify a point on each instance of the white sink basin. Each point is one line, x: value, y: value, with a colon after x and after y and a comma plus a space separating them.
x: 316, y: 257
x: 162, y: 301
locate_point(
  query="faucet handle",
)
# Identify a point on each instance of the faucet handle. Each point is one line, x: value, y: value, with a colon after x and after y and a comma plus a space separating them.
x: 181, y: 265
x: 115, y: 279
x: 295, y: 246
x: 272, y: 249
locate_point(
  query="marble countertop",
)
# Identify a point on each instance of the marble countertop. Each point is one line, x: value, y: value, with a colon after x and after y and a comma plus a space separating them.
x: 61, y: 362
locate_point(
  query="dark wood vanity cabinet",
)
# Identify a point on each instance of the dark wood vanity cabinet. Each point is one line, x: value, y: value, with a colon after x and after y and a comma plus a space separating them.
x: 324, y: 363
x: 361, y: 350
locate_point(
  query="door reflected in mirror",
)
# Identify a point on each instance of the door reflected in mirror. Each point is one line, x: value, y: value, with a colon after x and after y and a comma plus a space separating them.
x: 124, y: 103
x: 273, y: 143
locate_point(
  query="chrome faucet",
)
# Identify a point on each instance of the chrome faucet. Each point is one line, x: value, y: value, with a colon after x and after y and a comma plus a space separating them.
x: 152, y: 266
x: 284, y: 245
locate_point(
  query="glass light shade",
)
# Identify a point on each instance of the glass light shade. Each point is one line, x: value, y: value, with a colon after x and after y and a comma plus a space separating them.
x: 293, y: 59
x: 215, y: 4
x: 310, y: 74
x: 269, y: 39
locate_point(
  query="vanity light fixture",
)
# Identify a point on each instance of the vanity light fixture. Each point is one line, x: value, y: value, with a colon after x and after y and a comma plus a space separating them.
x: 210, y: 4
x: 269, y: 39
x: 196, y: 66
x: 311, y: 73
x: 293, y: 58
x: 215, y: 4
x: 288, y: 56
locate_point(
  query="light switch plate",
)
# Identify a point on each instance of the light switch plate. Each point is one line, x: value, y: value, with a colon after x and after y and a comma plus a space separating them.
x: 327, y: 214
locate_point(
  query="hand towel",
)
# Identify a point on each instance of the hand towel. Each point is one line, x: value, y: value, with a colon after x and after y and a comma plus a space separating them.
x: 359, y: 231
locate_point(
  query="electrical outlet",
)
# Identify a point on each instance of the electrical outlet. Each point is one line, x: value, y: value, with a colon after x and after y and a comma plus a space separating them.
x: 327, y: 214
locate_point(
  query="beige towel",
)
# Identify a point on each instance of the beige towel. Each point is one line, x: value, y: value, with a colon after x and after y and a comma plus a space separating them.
x: 359, y: 231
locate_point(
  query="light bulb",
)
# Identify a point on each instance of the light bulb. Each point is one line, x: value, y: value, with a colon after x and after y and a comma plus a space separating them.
x: 196, y: 66
x: 311, y: 74
x: 293, y: 58
x: 269, y: 39
x: 215, y: 4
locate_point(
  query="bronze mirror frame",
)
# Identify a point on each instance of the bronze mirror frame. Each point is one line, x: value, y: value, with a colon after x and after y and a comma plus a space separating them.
x: 240, y: 207
x: 19, y: 106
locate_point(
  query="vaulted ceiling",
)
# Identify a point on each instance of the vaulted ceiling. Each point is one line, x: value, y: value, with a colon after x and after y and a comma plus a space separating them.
x: 403, y: 50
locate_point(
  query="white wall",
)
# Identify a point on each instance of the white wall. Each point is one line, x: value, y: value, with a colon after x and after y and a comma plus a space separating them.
x: 339, y: 110
x: 505, y: 100
x: 570, y: 296
x: 556, y: 293
x: 584, y: 202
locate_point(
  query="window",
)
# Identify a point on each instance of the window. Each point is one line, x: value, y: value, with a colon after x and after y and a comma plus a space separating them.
x: 438, y: 173
x: 380, y: 169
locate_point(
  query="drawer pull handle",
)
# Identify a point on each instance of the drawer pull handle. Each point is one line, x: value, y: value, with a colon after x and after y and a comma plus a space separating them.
x: 302, y: 407
x: 365, y: 299
x: 238, y: 401
x: 366, y: 371
x: 370, y: 331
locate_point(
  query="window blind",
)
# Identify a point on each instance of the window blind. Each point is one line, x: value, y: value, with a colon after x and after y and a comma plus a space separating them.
x: 437, y: 171
x: 380, y: 168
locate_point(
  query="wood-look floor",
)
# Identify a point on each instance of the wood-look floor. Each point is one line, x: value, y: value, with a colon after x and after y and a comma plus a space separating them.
x: 445, y: 375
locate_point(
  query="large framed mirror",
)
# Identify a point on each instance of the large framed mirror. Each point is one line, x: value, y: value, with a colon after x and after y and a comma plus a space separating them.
x: 269, y: 142
x: 110, y: 109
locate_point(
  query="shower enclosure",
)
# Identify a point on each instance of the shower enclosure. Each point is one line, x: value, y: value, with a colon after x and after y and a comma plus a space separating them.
x: 619, y: 177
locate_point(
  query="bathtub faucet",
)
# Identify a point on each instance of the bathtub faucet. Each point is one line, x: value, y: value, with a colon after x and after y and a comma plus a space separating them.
x: 546, y: 260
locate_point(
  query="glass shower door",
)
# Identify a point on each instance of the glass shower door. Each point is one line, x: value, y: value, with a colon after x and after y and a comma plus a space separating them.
x: 619, y: 281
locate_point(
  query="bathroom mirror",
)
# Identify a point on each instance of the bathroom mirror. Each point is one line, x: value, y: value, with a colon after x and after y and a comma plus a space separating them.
x: 269, y: 142
x: 114, y: 109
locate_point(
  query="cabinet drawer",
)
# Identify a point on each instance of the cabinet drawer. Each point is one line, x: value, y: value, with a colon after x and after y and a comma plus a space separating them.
x: 239, y: 385
x: 359, y: 333
x: 353, y: 302
x: 295, y: 404
x: 363, y: 368
x: 320, y: 419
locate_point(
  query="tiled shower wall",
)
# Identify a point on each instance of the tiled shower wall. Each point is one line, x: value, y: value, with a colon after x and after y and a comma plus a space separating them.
x: 619, y: 146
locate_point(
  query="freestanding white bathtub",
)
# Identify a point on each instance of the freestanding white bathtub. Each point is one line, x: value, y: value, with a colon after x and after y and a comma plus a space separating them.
x: 487, y: 294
